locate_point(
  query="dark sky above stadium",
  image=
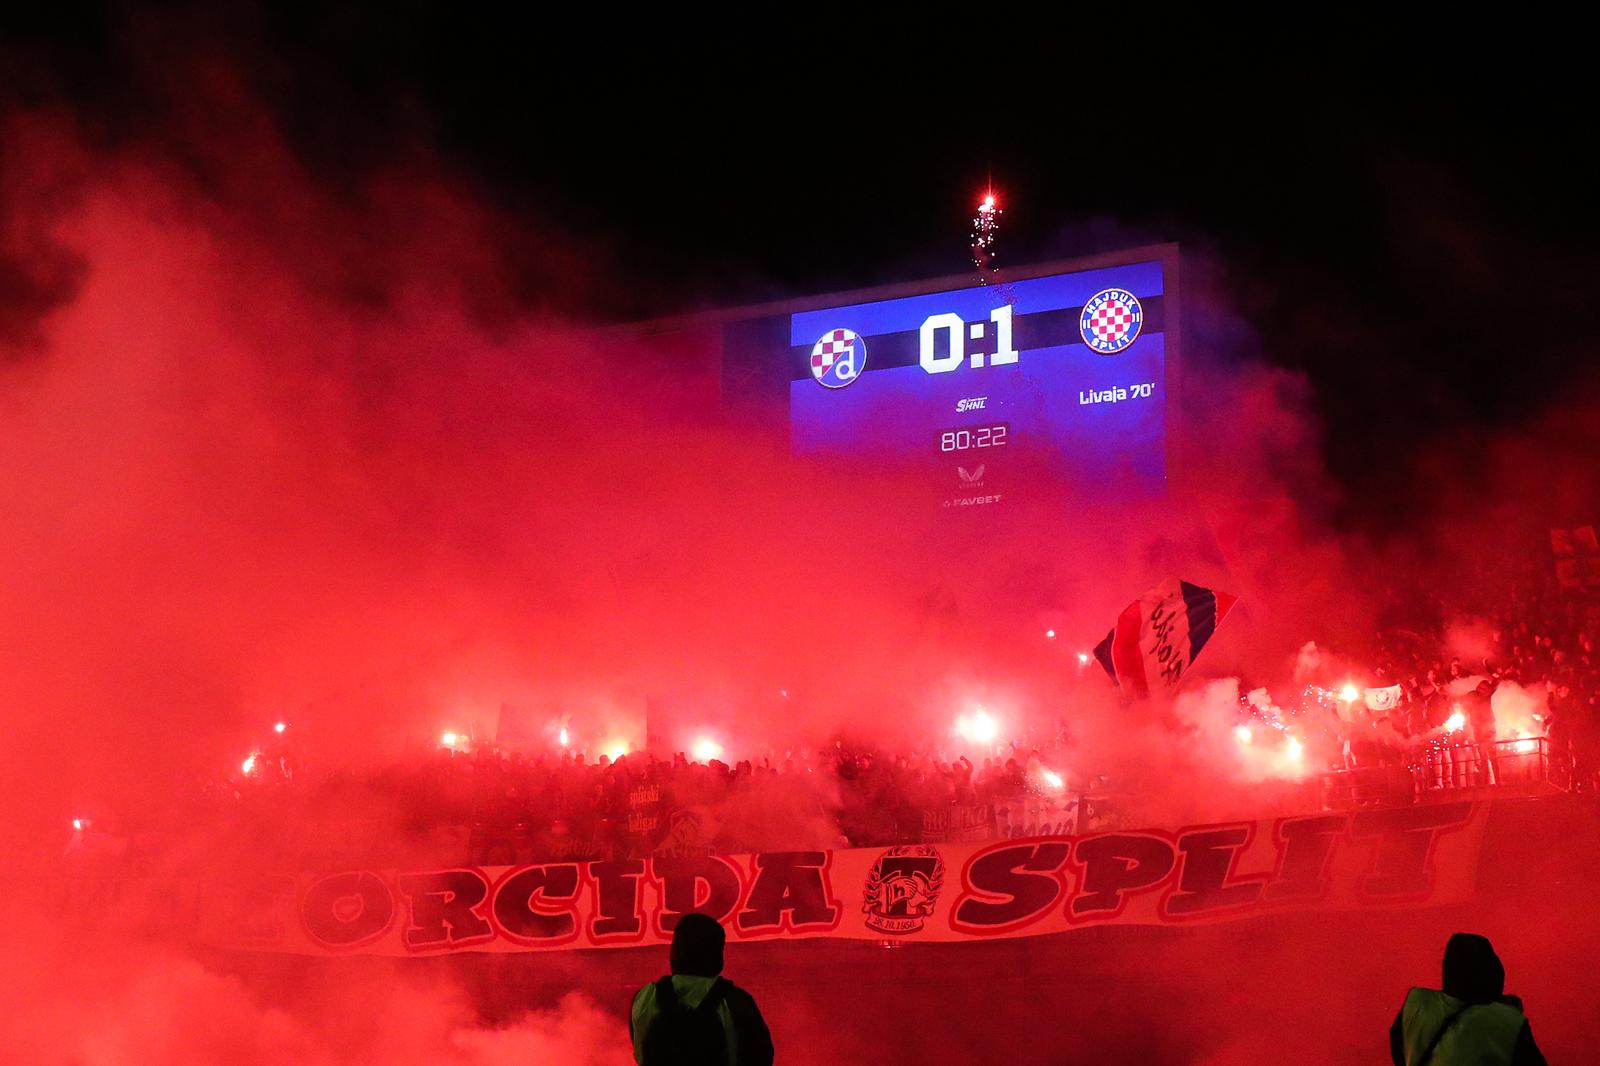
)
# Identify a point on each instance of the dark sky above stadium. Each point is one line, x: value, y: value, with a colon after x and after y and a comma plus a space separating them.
x: 1419, y: 240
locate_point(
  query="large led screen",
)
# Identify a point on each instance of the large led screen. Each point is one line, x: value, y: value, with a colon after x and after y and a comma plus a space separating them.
x: 996, y: 389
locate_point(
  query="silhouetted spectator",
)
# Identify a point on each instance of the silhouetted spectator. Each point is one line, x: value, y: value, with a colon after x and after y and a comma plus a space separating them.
x: 1470, y: 1021
x: 694, y: 1016
x: 1479, y: 706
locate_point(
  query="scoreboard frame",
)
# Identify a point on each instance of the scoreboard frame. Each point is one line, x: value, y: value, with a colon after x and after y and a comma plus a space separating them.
x: 757, y: 383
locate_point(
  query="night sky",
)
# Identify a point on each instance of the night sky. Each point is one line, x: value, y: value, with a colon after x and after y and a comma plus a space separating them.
x: 1419, y: 242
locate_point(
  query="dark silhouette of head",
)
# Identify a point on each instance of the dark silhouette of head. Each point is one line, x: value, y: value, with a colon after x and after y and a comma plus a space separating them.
x: 697, y: 946
x: 1472, y: 971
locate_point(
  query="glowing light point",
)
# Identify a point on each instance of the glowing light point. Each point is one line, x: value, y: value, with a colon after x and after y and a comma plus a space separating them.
x: 1049, y: 634
x: 1294, y: 749
x: 77, y: 823
x: 249, y: 764
x: 450, y: 740
x: 280, y: 727
x: 985, y: 223
x: 1242, y: 734
x: 617, y: 751
x: 705, y: 749
x: 1456, y: 722
x: 1083, y: 658
x: 563, y: 737
x: 978, y: 727
x: 1349, y: 693
x: 1051, y: 778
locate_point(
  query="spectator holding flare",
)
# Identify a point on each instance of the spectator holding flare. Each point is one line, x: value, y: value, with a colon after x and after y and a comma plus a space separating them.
x: 695, y: 1016
x: 1470, y: 1020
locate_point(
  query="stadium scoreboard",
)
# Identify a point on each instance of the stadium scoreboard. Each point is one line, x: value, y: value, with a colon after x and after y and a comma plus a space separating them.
x: 1061, y: 374
x: 1056, y: 379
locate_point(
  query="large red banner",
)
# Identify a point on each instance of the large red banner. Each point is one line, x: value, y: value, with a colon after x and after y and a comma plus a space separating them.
x: 1412, y: 856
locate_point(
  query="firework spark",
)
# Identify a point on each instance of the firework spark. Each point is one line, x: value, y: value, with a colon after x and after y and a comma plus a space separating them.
x: 985, y: 225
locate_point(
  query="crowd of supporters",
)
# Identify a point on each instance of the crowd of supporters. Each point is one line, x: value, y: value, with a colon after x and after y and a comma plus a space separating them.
x: 488, y: 805
x: 469, y: 801
x: 1534, y: 650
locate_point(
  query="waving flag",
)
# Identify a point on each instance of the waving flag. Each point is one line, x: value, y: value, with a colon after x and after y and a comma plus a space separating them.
x: 1383, y: 699
x: 1159, y: 634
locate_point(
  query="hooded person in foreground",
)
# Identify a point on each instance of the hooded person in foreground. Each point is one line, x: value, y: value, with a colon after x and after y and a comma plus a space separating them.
x: 1470, y: 1020
x: 695, y: 1016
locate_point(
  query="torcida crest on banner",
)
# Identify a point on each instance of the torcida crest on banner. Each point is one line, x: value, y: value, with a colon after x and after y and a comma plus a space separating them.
x: 902, y: 889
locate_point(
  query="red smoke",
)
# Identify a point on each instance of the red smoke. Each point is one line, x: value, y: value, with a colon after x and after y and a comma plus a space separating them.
x: 271, y: 450
x: 269, y: 455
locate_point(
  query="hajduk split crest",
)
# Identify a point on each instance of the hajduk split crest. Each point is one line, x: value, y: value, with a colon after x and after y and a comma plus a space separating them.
x: 1111, y: 320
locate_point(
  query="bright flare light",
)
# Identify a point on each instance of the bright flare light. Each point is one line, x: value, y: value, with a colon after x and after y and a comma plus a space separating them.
x: 1049, y: 634
x: 988, y: 203
x: 450, y: 740
x: 1526, y: 743
x: 249, y: 764
x: 1294, y: 749
x: 1242, y: 734
x: 1456, y: 722
x: 1349, y: 693
x: 1051, y: 778
x: 563, y: 737
x: 280, y: 727
x: 978, y: 727
x: 1083, y: 658
x: 617, y: 751
x: 77, y: 823
x: 705, y: 749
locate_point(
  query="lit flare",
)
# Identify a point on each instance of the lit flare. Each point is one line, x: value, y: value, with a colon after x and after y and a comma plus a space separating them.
x: 979, y: 727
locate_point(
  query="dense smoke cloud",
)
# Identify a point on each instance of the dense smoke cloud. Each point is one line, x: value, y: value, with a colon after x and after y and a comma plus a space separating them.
x: 278, y: 452
x: 141, y: 1001
x: 275, y: 450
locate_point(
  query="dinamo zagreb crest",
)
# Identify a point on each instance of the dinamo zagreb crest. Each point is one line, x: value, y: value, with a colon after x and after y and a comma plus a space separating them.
x: 838, y: 358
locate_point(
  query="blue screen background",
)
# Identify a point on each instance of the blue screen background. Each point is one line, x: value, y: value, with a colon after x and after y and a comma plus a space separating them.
x: 894, y: 413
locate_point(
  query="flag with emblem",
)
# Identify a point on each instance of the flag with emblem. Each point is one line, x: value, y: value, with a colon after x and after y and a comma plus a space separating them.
x: 1160, y: 634
x: 1386, y: 698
